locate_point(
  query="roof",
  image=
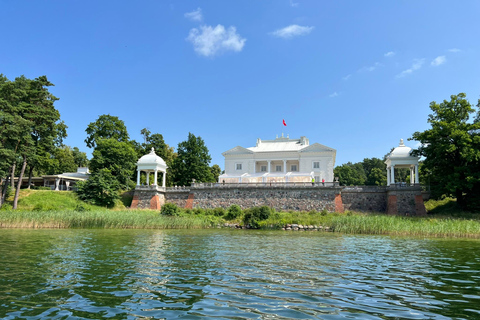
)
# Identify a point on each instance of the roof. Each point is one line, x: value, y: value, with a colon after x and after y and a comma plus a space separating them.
x: 402, y: 151
x: 151, y: 159
x: 281, y: 144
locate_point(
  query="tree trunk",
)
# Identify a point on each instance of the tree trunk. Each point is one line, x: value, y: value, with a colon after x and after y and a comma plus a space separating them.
x: 4, y: 191
x: 12, y: 176
x: 19, y: 183
x: 30, y: 176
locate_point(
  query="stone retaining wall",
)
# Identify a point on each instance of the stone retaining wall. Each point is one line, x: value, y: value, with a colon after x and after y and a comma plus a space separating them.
x: 282, y: 199
x: 405, y: 201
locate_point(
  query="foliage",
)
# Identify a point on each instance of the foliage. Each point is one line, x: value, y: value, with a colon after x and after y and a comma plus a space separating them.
x: 216, y: 171
x: 100, y: 189
x: 192, y: 162
x: 30, y: 125
x: 218, y: 212
x: 253, y: 216
x: 451, y: 148
x: 350, y: 174
x: 170, y: 209
x: 79, y: 158
x: 116, y: 156
x: 162, y: 149
x: 233, y: 212
x: 106, y: 127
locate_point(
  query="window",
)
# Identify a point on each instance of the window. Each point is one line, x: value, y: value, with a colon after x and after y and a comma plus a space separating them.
x: 316, y: 165
x: 263, y: 168
x: 238, y: 166
x: 293, y: 167
x: 278, y: 168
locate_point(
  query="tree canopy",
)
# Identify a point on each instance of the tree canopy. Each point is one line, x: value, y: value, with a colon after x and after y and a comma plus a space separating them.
x: 106, y: 127
x: 192, y: 162
x: 451, y: 148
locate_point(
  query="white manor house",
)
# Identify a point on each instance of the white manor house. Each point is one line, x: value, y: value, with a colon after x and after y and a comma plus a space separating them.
x: 279, y: 160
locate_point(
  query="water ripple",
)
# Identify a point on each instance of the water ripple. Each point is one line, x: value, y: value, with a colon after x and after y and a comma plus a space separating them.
x: 185, y: 274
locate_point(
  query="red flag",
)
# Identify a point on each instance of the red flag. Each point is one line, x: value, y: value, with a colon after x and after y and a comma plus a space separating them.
x: 284, y: 123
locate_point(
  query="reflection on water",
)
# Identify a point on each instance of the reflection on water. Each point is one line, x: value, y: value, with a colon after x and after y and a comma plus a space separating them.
x: 235, y: 274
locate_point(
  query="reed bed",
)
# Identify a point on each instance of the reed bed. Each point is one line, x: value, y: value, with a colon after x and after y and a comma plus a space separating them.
x: 126, y: 219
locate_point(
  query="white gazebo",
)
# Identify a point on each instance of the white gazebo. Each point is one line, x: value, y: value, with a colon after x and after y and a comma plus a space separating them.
x: 151, y: 163
x: 401, y: 157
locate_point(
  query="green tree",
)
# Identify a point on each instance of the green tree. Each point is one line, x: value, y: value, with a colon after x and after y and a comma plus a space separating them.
x: 375, y: 171
x: 192, y: 162
x: 216, y: 171
x: 100, y: 189
x: 350, y: 174
x: 118, y: 157
x: 29, y: 123
x: 79, y: 157
x: 106, y: 127
x: 451, y: 148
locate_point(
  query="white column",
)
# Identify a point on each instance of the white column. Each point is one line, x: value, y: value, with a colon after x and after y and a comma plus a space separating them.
x: 269, y: 162
x: 155, y: 177
x: 392, y: 174
x: 284, y: 166
x: 148, y: 178
x: 138, y: 177
x: 254, y: 166
x: 417, y: 178
x: 411, y: 175
x: 388, y: 176
x: 164, y: 179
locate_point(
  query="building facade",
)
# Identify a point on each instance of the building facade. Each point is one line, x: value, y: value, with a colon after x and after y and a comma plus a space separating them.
x: 279, y: 160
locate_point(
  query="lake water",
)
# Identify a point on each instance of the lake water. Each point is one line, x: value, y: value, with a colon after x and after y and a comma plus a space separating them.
x: 235, y: 274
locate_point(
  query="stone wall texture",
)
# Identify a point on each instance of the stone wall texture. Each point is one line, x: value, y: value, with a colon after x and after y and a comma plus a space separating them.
x: 146, y: 199
x: 366, y: 200
x: 407, y: 201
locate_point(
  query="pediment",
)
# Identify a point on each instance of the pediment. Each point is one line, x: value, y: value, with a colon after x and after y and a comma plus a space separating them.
x: 317, y: 147
x: 237, y: 150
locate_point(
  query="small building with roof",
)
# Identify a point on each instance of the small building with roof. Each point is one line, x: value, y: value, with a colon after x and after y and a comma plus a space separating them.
x: 279, y: 160
x: 401, y: 157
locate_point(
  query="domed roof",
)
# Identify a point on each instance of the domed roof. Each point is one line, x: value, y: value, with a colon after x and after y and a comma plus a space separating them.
x: 402, y: 151
x: 151, y: 159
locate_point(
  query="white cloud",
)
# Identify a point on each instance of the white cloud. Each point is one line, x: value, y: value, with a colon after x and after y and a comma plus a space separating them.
x: 438, y: 61
x: 333, y: 95
x: 389, y: 54
x: 292, y: 31
x: 209, y: 41
x: 417, y: 64
x: 454, y: 50
x: 194, y: 15
x: 370, y: 68
x: 293, y: 4
x: 348, y: 76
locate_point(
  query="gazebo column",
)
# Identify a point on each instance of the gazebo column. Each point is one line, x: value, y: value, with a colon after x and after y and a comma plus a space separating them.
x: 412, y: 178
x: 155, y: 177
x: 164, y: 179
x: 148, y: 178
x: 416, y: 174
x: 138, y: 177
x: 392, y: 174
x: 388, y: 176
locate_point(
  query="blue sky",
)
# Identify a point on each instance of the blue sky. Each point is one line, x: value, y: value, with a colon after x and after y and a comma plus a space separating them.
x: 353, y: 75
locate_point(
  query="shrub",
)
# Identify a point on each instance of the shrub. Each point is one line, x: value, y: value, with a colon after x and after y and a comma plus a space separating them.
x: 233, y: 212
x: 170, y: 209
x: 43, y: 207
x: 324, y: 212
x: 100, y: 189
x: 188, y: 212
x: 219, y: 212
x: 82, y: 208
x: 254, y: 215
x: 199, y: 211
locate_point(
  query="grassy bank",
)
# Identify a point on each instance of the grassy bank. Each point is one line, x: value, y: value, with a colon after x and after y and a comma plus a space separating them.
x: 49, y: 209
x: 103, y: 218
